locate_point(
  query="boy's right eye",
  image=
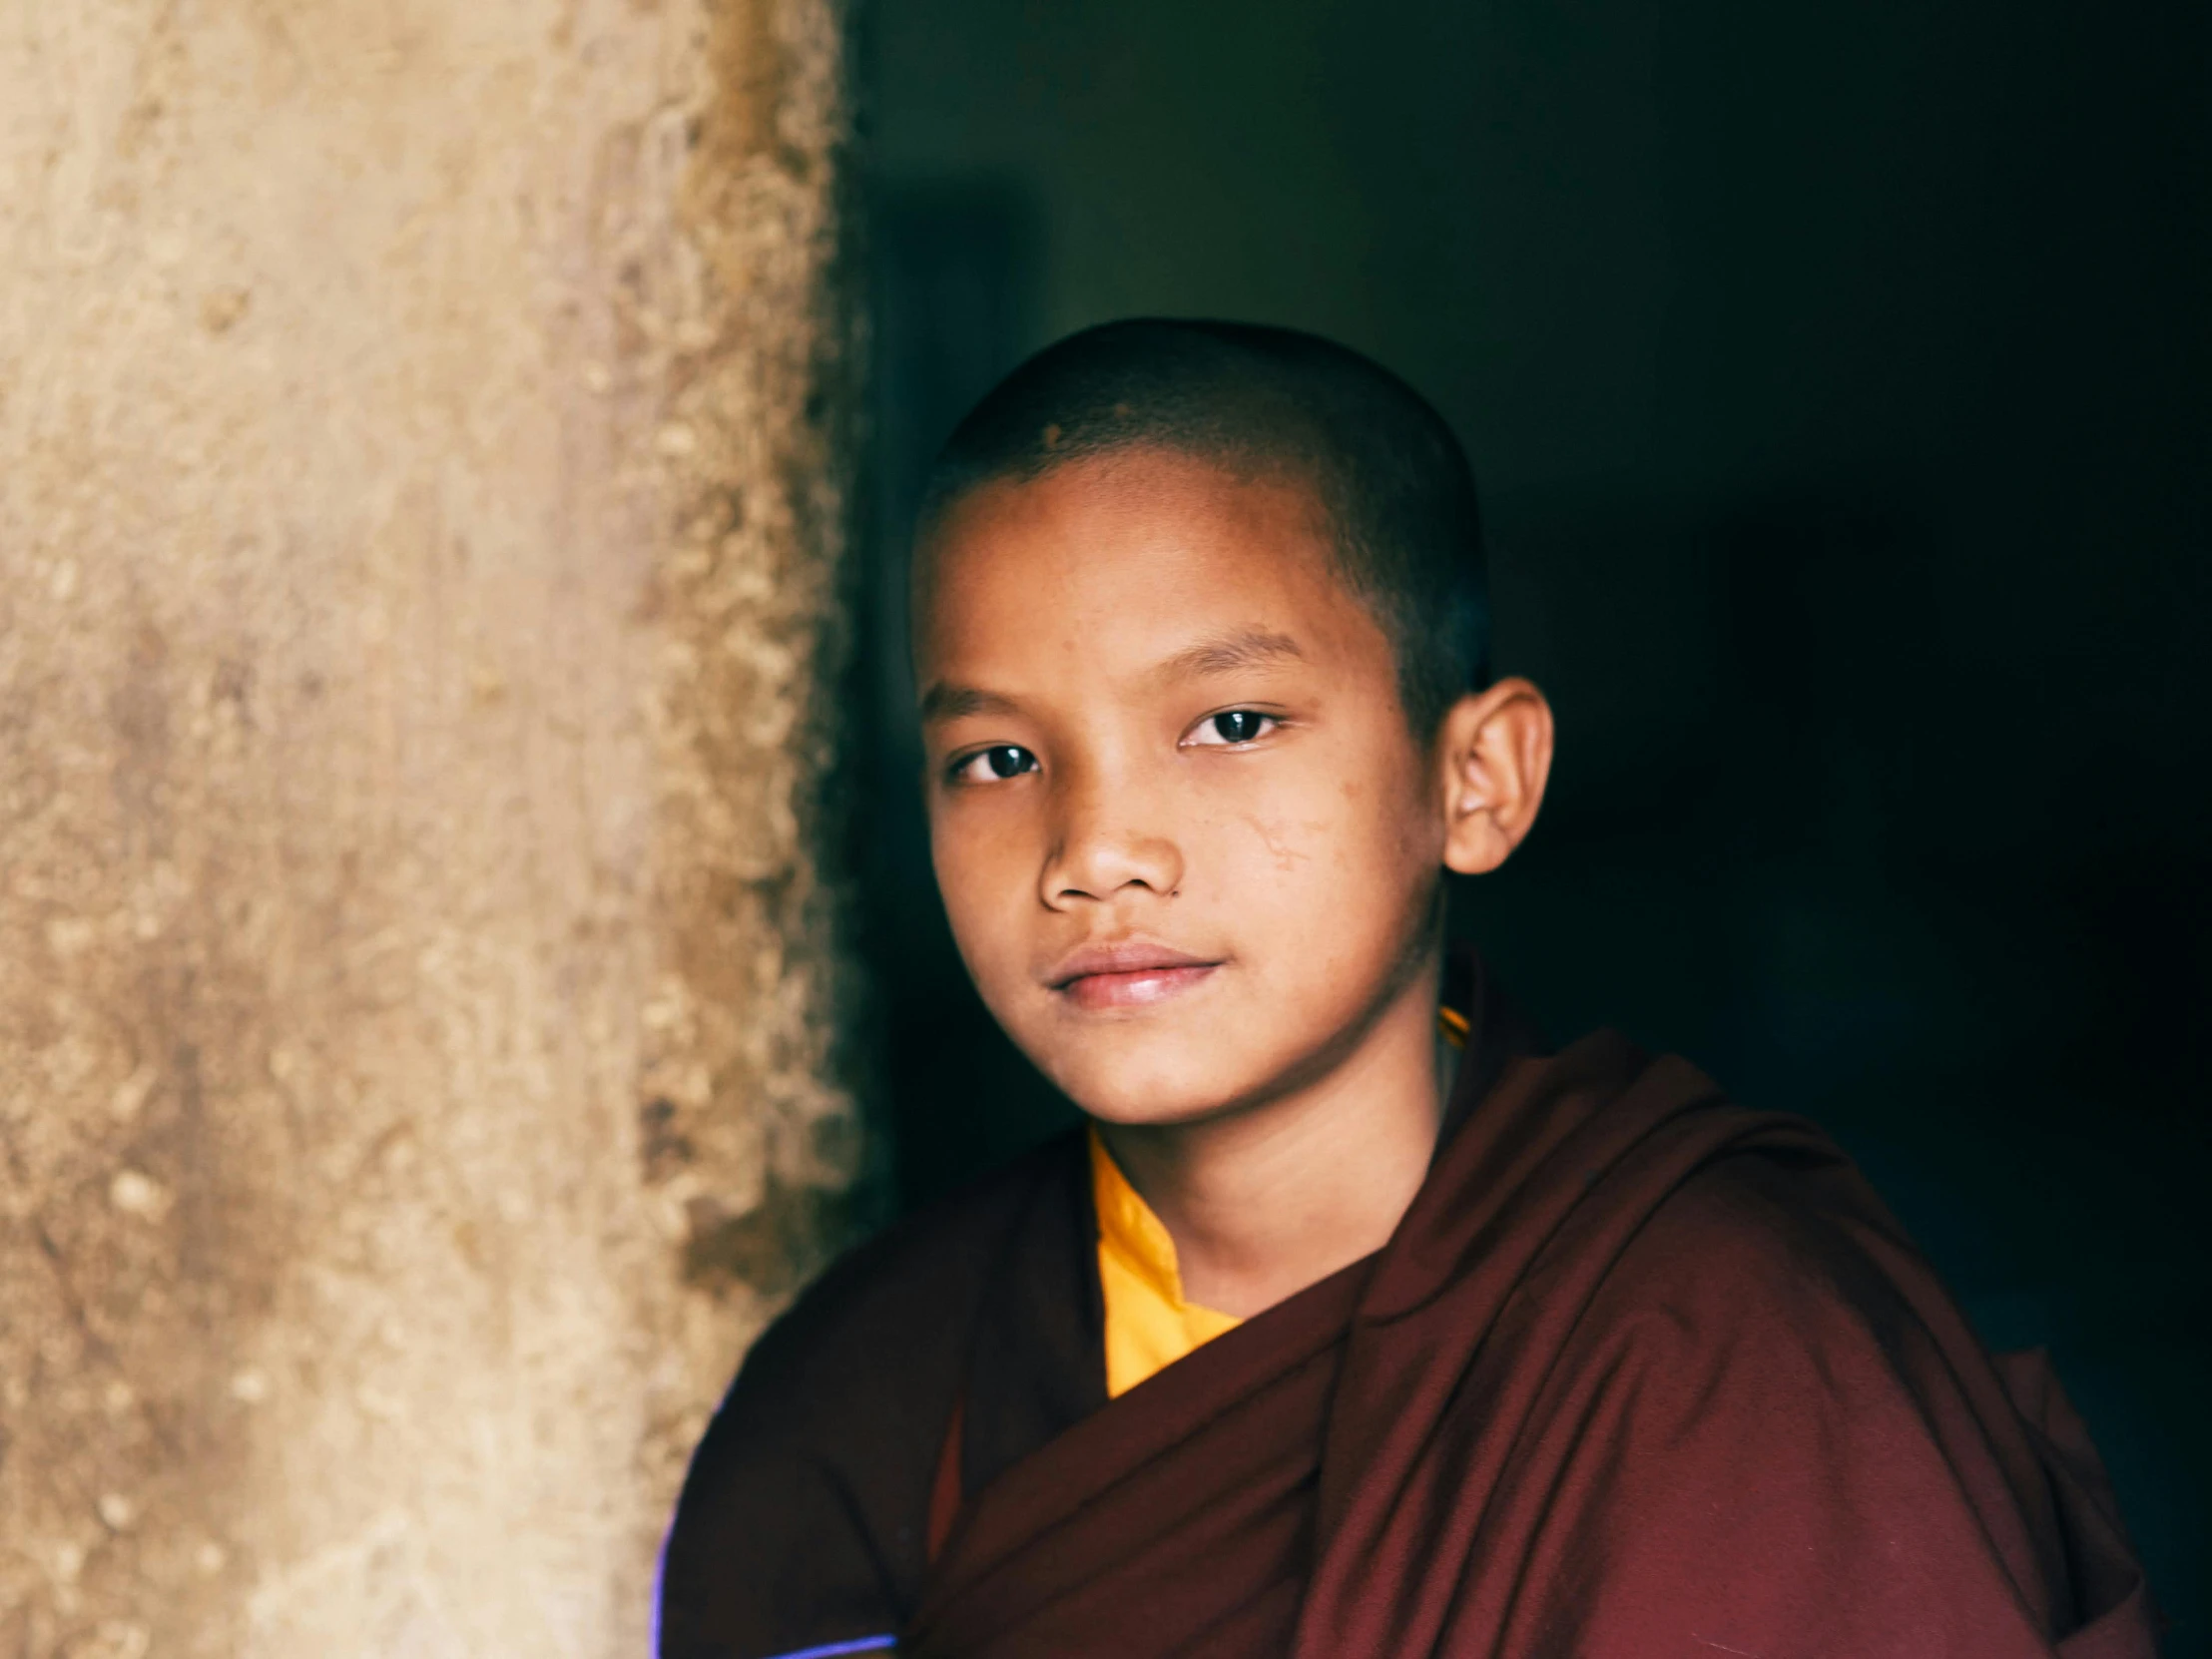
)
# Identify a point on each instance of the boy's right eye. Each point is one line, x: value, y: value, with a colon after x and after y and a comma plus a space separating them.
x: 993, y: 764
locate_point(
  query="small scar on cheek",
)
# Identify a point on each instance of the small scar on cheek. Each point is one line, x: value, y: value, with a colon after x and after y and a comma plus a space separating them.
x: 1277, y: 841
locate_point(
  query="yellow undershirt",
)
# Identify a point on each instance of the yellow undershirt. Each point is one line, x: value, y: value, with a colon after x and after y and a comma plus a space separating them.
x: 1149, y: 1325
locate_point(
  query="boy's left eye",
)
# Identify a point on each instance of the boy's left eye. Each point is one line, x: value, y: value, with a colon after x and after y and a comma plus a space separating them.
x: 1234, y: 725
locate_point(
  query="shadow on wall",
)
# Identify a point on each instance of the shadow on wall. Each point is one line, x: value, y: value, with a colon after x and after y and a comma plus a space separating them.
x: 1805, y: 828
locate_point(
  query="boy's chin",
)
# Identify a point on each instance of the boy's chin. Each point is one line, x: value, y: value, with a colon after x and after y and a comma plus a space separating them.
x: 1163, y: 1094
x: 1153, y: 1114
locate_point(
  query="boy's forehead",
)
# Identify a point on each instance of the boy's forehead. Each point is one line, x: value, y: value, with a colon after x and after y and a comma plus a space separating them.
x: 1125, y: 548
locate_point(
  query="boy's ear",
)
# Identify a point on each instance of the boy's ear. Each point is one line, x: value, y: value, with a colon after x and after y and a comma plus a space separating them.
x: 1494, y: 749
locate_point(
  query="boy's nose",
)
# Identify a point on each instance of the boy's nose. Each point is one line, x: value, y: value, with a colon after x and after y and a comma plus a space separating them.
x: 1101, y: 853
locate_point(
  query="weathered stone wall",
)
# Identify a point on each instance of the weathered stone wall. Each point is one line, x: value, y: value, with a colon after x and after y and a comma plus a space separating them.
x: 423, y: 490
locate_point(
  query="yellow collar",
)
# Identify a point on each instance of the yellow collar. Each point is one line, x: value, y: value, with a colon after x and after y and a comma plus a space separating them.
x: 1149, y: 1325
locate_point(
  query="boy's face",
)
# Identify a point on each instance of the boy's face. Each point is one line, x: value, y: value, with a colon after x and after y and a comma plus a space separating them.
x: 1189, y: 846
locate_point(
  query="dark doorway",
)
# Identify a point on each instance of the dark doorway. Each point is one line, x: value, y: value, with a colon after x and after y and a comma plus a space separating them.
x: 1837, y: 376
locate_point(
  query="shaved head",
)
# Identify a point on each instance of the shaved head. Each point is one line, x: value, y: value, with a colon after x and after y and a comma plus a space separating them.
x: 1384, y: 470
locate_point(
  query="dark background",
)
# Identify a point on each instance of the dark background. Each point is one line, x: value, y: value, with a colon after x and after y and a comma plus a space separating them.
x: 1837, y: 375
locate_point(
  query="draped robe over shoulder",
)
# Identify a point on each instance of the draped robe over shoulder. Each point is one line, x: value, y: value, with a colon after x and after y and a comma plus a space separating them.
x: 1640, y: 1374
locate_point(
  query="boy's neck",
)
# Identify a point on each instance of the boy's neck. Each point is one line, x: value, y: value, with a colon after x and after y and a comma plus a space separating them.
x: 1270, y: 1198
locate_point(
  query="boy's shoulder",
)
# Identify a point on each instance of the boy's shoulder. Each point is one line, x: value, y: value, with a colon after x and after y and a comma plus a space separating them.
x: 1764, y: 1237
x: 1720, y: 1216
x: 816, y: 1472
x: 1701, y: 1232
x: 894, y: 1300
x: 1780, y: 1280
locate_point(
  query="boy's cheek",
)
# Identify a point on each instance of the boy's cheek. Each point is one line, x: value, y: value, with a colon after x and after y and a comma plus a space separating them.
x: 975, y: 849
x: 988, y: 884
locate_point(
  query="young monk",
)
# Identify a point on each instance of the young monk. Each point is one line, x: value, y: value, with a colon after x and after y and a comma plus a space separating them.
x: 1353, y: 1322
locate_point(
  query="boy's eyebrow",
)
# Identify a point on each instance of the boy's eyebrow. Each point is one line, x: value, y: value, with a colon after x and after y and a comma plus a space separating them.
x: 946, y: 702
x: 1222, y: 653
x: 1226, y: 653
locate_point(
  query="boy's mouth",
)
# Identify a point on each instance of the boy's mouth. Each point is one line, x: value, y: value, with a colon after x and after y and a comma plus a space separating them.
x: 1132, y: 975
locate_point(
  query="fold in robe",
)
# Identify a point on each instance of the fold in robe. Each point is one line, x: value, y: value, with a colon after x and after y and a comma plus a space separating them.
x: 1640, y: 1374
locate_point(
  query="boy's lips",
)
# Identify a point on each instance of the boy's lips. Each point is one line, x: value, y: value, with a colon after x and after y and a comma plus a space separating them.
x: 1131, y: 975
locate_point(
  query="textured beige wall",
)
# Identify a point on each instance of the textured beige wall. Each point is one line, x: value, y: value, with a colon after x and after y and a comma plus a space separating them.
x: 421, y: 501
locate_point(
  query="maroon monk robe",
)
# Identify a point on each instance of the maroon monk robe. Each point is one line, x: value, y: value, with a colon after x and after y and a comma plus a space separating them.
x: 1639, y: 1373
